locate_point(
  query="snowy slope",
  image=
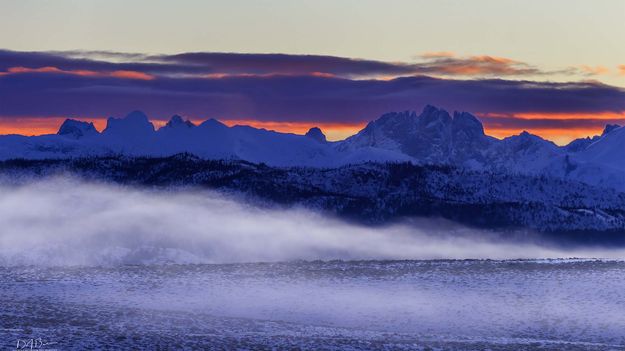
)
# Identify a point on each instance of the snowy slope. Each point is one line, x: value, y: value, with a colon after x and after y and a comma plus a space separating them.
x: 609, y: 151
x: 524, y: 153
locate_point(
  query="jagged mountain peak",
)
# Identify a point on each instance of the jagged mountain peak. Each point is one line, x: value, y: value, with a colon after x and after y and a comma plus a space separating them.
x: 76, y: 129
x: 177, y: 121
x: 433, y: 136
x: 465, y: 119
x: 429, y: 109
x: 136, y: 115
x: 581, y: 144
x: 607, y: 150
x: 434, y: 117
x: 136, y: 122
x: 393, y: 120
x: 429, y: 117
x: 316, y: 134
x: 609, y: 128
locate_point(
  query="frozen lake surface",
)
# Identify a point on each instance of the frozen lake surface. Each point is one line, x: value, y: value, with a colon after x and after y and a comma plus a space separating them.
x: 335, y: 305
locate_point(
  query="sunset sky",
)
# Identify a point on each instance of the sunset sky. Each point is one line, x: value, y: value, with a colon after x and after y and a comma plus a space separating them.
x: 553, y: 67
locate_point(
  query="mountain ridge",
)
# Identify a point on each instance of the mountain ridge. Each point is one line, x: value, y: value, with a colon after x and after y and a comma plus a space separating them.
x: 368, y: 193
x: 432, y: 137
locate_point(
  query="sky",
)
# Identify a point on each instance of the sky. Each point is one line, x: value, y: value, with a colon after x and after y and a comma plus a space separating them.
x: 553, y: 67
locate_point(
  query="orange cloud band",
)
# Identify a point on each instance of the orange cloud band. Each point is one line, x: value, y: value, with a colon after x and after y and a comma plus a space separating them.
x: 83, y: 73
x: 574, y: 115
x: 596, y: 70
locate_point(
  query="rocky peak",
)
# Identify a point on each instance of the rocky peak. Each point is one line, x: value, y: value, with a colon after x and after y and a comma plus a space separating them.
x: 609, y: 127
x: 434, y: 118
x: 468, y: 122
x: 176, y: 121
x: 434, y: 136
x: 135, y: 122
x: 76, y: 129
x: 316, y: 134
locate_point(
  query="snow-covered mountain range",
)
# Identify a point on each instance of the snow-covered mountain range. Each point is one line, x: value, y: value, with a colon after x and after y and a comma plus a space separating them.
x: 432, y: 137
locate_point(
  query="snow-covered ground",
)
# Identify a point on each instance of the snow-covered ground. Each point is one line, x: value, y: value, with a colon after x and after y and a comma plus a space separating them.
x: 448, y: 304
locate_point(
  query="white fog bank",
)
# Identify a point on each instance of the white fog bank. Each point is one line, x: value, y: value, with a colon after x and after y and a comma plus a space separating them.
x: 67, y: 222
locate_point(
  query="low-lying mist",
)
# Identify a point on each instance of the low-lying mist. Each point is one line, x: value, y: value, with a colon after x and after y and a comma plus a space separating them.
x: 64, y: 221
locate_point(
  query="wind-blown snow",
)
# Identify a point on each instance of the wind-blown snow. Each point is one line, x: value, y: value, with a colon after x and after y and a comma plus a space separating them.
x: 66, y: 222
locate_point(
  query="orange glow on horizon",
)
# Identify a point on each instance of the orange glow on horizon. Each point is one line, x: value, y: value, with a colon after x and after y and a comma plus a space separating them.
x: 31, y: 126
x: 558, y: 136
x: 333, y: 131
x: 575, y: 115
x: 82, y: 73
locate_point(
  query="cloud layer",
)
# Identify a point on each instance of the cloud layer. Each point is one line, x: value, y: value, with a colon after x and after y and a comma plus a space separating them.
x: 289, y: 88
x: 211, y: 65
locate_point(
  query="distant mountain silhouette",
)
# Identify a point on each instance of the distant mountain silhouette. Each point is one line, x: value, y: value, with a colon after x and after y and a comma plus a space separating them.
x: 432, y: 137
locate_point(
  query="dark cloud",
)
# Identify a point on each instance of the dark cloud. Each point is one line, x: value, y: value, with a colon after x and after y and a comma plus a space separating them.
x: 72, y: 61
x: 289, y: 97
x: 232, y: 63
x: 447, y: 65
x: 450, y: 65
x: 201, y: 64
x: 289, y: 88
